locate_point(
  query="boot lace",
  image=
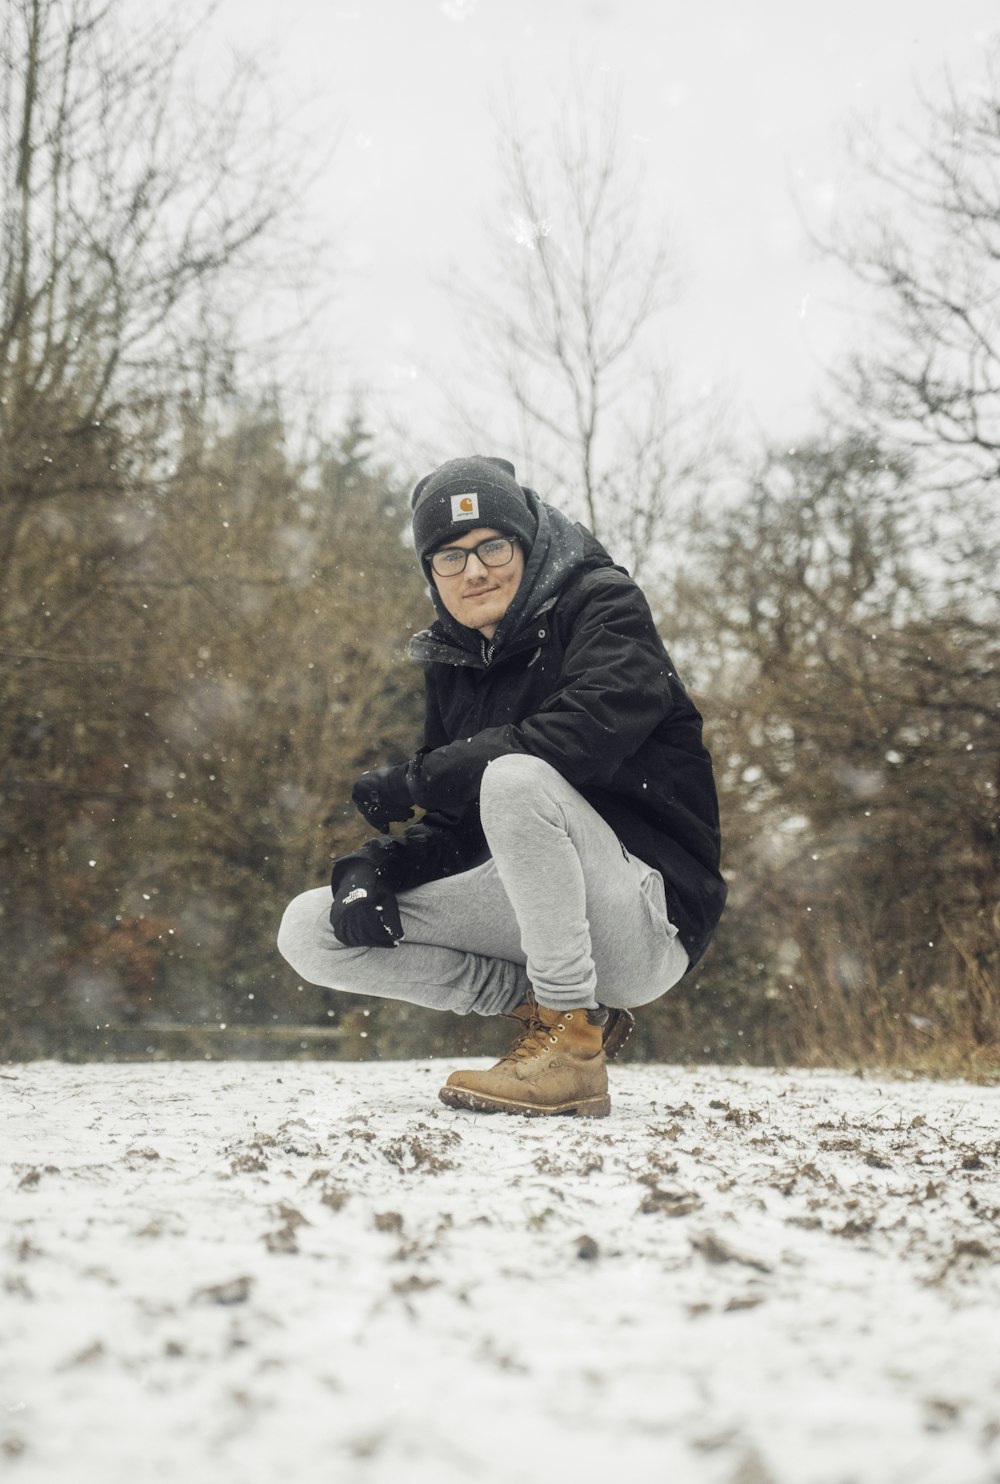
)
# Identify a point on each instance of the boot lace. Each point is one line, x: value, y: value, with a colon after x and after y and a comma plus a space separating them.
x: 536, y: 1036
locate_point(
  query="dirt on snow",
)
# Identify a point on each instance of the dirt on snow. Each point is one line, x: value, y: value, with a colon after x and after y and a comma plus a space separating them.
x: 309, y: 1272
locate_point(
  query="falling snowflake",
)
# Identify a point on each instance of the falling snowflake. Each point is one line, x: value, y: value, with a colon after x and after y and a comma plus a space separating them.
x: 527, y: 233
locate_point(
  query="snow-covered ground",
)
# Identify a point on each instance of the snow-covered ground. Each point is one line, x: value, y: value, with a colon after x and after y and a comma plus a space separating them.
x: 316, y: 1272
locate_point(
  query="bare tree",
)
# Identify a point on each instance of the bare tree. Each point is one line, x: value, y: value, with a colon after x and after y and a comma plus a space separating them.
x: 571, y: 326
x: 127, y: 214
x: 929, y: 248
x: 854, y: 719
x: 130, y: 217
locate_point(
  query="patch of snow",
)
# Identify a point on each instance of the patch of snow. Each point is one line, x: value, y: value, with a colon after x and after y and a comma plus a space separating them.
x: 309, y: 1271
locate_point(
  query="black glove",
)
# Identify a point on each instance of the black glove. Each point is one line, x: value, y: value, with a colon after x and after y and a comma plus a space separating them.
x: 382, y: 795
x: 365, y: 913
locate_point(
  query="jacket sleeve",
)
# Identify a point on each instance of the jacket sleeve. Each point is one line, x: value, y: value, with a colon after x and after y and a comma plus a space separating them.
x: 441, y: 844
x: 617, y: 685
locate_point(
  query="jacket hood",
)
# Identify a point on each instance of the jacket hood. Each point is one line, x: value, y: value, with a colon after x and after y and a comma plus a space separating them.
x: 561, y: 549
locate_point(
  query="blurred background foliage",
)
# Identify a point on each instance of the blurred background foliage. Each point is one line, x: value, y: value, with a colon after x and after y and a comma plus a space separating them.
x: 204, y: 611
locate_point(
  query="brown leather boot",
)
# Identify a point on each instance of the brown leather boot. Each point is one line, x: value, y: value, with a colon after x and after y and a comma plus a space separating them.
x: 617, y: 1028
x: 616, y: 1025
x: 556, y: 1065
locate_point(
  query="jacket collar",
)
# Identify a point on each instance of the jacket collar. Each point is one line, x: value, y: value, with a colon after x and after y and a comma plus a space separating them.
x: 435, y: 646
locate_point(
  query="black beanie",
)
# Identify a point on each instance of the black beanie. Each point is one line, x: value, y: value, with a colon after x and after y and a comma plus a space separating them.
x: 464, y: 494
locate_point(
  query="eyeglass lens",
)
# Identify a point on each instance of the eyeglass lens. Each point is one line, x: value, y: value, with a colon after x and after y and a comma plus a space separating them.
x: 495, y: 551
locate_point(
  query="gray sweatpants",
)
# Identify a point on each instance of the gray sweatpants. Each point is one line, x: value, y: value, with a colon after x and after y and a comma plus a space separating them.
x: 559, y: 907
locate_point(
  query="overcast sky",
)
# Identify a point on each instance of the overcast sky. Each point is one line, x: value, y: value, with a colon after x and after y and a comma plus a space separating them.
x: 730, y: 106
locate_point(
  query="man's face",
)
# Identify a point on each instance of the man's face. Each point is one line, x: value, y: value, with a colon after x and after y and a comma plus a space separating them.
x: 480, y: 596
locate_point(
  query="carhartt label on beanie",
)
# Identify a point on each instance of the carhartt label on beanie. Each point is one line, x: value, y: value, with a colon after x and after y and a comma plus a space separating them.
x: 465, y: 507
x: 477, y: 491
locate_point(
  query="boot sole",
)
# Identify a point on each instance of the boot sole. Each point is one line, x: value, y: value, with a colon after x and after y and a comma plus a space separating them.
x: 621, y: 1024
x: 475, y: 1102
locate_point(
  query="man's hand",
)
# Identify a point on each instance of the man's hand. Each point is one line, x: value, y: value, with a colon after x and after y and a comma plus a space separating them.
x: 382, y: 796
x: 365, y: 913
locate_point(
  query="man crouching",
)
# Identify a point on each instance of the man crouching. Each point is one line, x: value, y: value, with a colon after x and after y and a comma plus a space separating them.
x: 567, y: 867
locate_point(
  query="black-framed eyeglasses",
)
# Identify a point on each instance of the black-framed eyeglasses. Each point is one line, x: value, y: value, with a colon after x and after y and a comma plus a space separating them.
x: 495, y: 551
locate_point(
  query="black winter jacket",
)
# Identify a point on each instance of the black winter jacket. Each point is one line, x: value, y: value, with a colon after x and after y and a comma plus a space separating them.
x: 577, y: 675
